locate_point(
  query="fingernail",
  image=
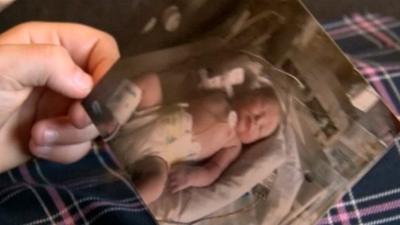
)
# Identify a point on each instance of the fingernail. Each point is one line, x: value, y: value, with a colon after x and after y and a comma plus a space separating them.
x: 50, y: 136
x: 82, y: 81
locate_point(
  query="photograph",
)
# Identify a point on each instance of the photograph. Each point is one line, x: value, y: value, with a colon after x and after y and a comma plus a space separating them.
x: 260, y: 120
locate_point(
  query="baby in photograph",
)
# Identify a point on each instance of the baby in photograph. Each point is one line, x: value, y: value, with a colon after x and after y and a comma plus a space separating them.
x: 171, y: 148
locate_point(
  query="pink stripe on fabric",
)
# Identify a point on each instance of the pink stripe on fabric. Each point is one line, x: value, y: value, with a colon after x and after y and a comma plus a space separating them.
x: 67, y: 218
x: 384, y: 27
x: 392, y: 67
x: 371, y: 27
x: 380, y: 208
x: 26, y: 175
x: 370, y: 71
x: 346, y: 29
x: 137, y: 206
x: 343, y: 215
x: 326, y: 221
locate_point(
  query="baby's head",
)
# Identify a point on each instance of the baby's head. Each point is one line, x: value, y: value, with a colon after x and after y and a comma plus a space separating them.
x: 259, y: 114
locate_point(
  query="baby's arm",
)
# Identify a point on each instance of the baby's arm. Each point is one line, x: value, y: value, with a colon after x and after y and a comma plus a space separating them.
x: 150, y: 86
x: 204, y: 175
x: 150, y: 176
x: 216, y: 165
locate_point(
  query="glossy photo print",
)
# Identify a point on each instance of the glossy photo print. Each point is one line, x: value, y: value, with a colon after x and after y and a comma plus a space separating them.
x: 248, y: 115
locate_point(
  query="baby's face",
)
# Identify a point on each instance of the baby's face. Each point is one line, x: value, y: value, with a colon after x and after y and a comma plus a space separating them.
x: 257, y: 118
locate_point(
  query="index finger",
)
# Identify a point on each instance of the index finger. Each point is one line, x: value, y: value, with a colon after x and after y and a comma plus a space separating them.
x: 93, y: 50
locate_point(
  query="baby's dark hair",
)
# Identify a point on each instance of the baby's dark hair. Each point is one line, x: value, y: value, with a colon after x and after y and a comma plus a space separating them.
x: 264, y: 91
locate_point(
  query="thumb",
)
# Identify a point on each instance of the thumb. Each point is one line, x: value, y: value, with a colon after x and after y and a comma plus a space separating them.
x: 27, y: 66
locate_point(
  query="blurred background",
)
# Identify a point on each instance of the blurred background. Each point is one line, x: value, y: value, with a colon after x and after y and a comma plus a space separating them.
x: 120, y: 17
x: 328, y: 10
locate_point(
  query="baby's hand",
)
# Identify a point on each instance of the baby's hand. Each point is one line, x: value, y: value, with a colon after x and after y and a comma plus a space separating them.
x: 180, y: 178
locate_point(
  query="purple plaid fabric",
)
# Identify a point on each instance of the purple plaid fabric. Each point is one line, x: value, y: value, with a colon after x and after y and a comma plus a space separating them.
x: 372, y: 43
x: 92, y: 191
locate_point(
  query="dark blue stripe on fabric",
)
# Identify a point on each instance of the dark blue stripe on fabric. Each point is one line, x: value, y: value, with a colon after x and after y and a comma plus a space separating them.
x: 384, y: 175
x: 382, y: 56
x: 357, y: 45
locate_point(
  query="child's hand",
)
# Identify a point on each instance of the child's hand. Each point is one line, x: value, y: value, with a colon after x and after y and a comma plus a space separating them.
x: 181, y: 178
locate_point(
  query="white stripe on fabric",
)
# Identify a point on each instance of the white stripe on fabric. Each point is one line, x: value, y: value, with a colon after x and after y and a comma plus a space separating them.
x: 11, y: 176
x: 44, y: 178
x: 355, y: 207
x: 333, y: 25
x: 391, y: 83
x: 330, y: 218
x: 370, y: 197
x: 39, y: 171
x: 77, y: 186
x: 396, y: 142
x: 383, y: 221
x: 340, y: 23
x: 377, y: 22
x: 58, y: 214
x: 5, y: 190
x: 12, y: 194
x: 355, y: 33
x: 362, y: 32
x: 390, y: 77
x: 41, y: 202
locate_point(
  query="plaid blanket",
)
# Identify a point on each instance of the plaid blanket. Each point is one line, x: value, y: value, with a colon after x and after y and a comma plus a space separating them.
x: 91, y: 191
x: 95, y: 191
